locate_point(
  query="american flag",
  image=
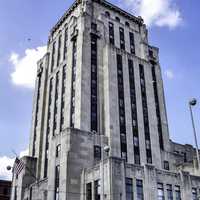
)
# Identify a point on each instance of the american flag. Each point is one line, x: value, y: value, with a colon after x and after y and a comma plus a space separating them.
x: 18, y: 166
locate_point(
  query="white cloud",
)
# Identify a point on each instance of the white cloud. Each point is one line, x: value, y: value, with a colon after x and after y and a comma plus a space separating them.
x: 169, y: 74
x: 156, y: 12
x: 25, y: 67
x: 7, y: 161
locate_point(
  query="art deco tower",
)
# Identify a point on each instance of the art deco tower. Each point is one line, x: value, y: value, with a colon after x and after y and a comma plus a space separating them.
x: 99, y: 125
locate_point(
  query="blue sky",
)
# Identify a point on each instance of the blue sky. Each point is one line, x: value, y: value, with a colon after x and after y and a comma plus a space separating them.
x: 173, y: 27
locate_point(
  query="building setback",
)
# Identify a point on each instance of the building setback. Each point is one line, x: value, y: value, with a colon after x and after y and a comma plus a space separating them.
x: 99, y: 124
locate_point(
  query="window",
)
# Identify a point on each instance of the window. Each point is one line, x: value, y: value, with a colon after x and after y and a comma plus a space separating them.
x: 57, y: 184
x: 150, y: 53
x: 97, y: 190
x: 65, y: 44
x: 127, y: 24
x: 160, y: 192
x: 122, y: 39
x: 107, y: 14
x: 59, y: 49
x: 117, y: 19
x: 129, y: 189
x: 53, y: 55
x: 177, y: 193
x: 89, y: 191
x: 194, y: 194
x: 97, y: 153
x: 132, y: 43
x: 139, y: 189
x: 111, y: 33
x: 58, y: 150
x: 169, y: 192
x: 94, y: 26
x: 166, y: 165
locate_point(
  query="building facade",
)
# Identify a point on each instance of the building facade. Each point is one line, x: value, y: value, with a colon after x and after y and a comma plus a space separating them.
x: 99, y: 124
x: 5, y: 189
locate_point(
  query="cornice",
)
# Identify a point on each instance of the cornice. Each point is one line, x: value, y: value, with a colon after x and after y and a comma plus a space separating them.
x: 105, y: 3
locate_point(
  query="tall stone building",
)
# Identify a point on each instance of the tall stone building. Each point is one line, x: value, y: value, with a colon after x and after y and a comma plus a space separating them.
x: 99, y: 124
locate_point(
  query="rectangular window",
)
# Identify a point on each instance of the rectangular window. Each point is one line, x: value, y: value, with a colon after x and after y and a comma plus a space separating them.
x: 65, y: 44
x: 160, y: 192
x: 129, y: 189
x: 57, y: 184
x: 58, y: 150
x: 154, y: 81
x: 121, y: 107
x: 97, y: 190
x: 145, y: 114
x: 194, y: 194
x: 169, y: 192
x: 139, y: 189
x: 132, y: 43
x: 177, y: 192
x: 111, y: 33
x: 94, y: 74
x: 89, y: 191
x: 53, y: 56
x: 166, y: 165
x: 122, y: 39
x: 97, y: 153
x: 59, y: 49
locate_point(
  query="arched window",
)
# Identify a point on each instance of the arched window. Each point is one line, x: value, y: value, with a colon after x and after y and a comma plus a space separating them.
x: 127, y: 24
x: 117, y: 18
x: 107, y: 14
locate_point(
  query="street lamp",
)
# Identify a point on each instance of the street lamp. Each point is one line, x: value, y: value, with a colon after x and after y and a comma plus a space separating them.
x: 192, y: 103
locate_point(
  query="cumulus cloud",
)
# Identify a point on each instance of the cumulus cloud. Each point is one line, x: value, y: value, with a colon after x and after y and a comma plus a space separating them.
x: 25, y: 67
x: 169, y: 74
x: 156, y: 12
x: 7, y: 161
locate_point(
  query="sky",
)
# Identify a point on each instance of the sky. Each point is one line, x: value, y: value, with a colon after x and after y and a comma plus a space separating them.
x: 24, y: 28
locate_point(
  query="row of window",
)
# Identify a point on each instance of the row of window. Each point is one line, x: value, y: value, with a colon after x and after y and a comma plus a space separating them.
x: 48, y: 126
x: 176, y: 194
x: 73, y: 84
x: 129, y: 189
x: 94, y: 109
x: 121, y: 38
x: 134, y: 112
x: 122, y: 120
x: 145, y: 114
x: 62, y: 110
x: 59, y: 51
x: 159, y: 125
x: 56, y: 104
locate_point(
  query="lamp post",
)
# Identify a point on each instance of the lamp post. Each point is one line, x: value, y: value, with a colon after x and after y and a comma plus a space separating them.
x: 192, y: 103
